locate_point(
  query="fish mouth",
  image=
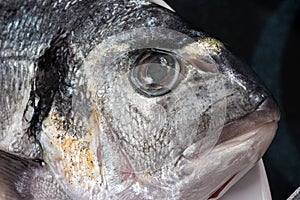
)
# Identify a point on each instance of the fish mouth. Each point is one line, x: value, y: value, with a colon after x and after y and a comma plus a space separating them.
x: 241, y: 144
x: 262, y: 123
x: 266, y: 114
x: 257, y: 141
x: 250, y: 136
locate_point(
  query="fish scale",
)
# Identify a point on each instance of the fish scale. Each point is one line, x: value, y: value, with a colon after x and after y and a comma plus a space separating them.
x: 17, y: 45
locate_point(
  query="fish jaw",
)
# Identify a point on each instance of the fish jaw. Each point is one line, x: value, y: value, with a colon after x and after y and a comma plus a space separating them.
x: 257, y: 142
x: 260, y: 128
x: 267, y: 112
x: 230, y: 159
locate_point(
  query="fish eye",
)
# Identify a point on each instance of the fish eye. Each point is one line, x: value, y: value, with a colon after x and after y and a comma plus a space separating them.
x: 155, y: 72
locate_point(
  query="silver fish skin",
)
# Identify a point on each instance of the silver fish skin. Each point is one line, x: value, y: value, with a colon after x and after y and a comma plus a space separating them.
x: 123, y: 100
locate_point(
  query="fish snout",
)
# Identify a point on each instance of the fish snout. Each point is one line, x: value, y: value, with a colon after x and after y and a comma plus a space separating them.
x: 266, y: 113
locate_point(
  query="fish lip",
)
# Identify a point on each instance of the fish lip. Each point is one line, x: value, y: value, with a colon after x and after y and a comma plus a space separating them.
x: 231, y: 158
x: 267, y: 112
x: 246, y: 141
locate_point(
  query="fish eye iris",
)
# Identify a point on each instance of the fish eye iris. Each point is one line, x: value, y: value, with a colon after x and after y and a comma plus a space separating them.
x: 155, y: 72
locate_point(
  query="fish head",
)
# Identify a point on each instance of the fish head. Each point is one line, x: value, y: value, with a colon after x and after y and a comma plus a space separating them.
x: 154, y: 109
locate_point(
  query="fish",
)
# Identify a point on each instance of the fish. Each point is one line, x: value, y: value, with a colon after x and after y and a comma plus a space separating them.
x: 123, y: 99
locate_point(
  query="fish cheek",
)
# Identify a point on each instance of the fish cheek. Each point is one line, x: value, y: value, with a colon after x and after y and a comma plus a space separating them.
x: 162, y: 128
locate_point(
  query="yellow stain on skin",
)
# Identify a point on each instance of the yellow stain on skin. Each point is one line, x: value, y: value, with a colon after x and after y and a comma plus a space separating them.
x: 80, y: 159
x: 211, y: 44
x: 203, y: 48
x: 90, y: 159
x: 75, y: 155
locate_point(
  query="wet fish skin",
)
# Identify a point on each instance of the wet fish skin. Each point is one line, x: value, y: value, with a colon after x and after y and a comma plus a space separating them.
x: 27, y: 32
x: 69, y: 111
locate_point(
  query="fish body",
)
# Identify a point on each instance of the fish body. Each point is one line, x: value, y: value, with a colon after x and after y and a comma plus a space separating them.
x: 123, y: 100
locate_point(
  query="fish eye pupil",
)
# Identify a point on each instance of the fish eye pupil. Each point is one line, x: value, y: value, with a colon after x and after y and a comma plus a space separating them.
x: 155, y: 72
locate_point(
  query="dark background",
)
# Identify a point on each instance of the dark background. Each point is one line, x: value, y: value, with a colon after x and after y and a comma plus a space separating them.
x: 266, y: 35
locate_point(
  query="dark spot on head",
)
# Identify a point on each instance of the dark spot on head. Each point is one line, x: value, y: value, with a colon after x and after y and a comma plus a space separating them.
x: 165, y: 105
x: 197, y: 78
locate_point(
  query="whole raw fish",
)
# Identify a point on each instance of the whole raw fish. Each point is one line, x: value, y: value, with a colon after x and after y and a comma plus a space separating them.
x: 122, y: 99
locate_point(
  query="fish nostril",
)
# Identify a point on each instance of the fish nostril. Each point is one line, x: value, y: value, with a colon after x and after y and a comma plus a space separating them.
x: 256, y: 95
x: 271, y: 107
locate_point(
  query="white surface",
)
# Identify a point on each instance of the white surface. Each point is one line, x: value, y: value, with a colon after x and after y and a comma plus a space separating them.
x: 162, y: 3
x: 295, y: 195
x: 253, y: 186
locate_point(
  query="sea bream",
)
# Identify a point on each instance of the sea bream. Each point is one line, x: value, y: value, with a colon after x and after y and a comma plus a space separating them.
x: 122, y: 99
